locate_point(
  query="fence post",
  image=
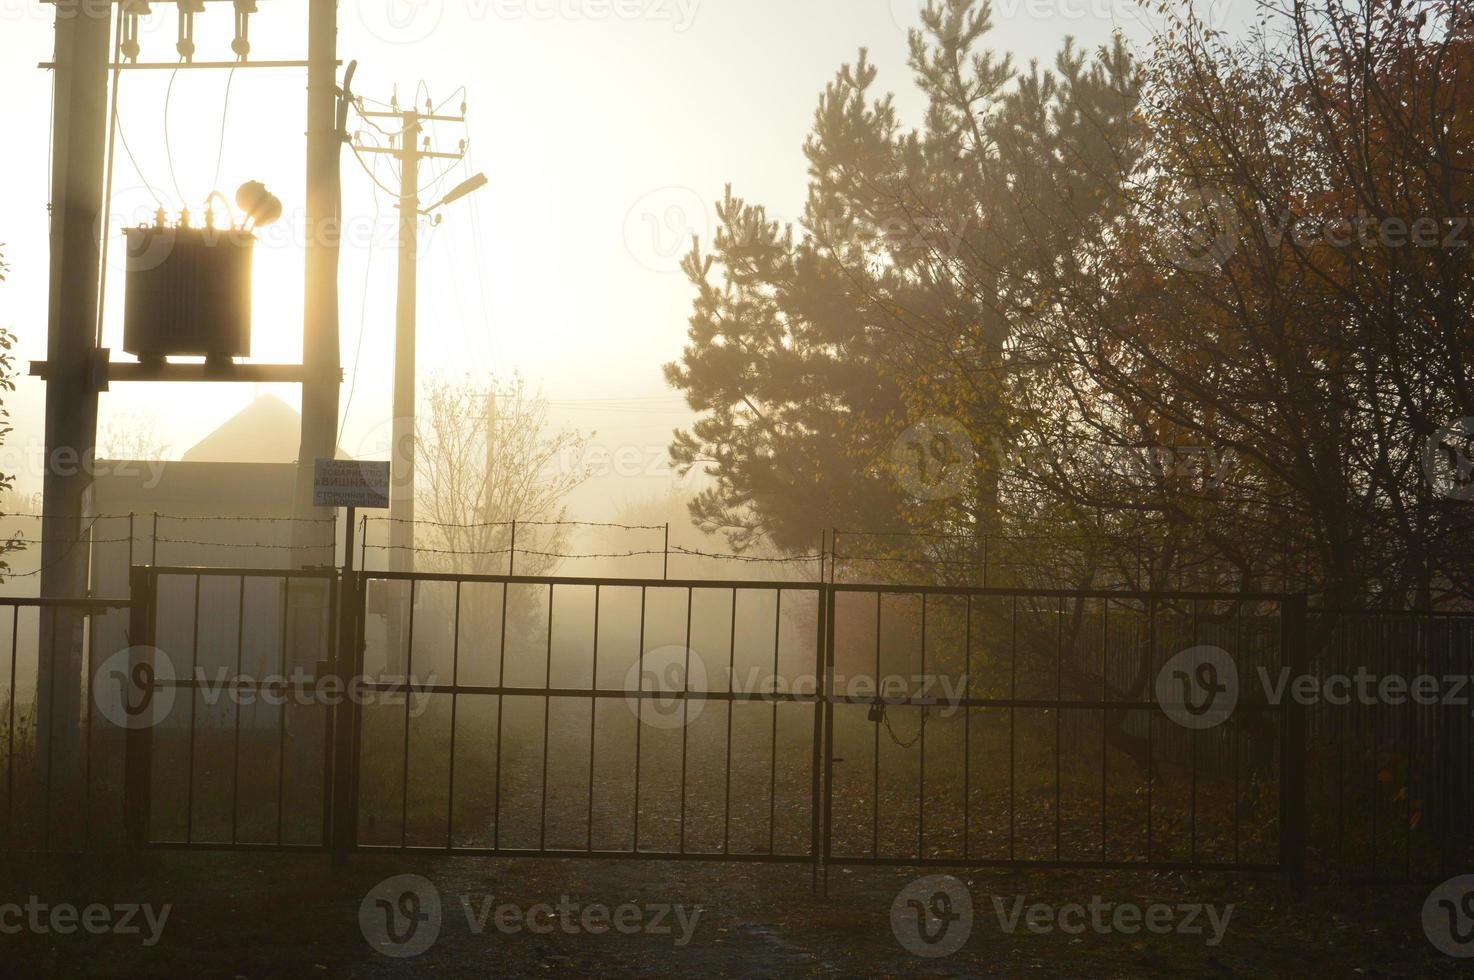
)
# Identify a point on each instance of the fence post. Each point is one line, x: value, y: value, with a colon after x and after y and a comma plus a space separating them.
x: 347, y: 670
x: 1293, y: 733
x: 138, y: 741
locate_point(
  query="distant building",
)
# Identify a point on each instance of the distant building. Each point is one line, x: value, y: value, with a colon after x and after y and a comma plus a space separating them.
x: 227, y: 503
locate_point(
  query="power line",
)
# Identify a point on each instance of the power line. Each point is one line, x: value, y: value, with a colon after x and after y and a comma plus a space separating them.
x: 224, y: 115
x: 168, y: 150
x: 136, y: 168
x: 368, y: 268
x: 371, y: 175
x: 481, y: 269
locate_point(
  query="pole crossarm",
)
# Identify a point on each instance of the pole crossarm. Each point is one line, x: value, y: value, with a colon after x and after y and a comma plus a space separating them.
x: 421, y: 116
x: 423, y: 154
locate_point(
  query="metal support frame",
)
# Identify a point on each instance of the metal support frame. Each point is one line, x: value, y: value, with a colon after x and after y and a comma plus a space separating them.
x: 1183, y: 782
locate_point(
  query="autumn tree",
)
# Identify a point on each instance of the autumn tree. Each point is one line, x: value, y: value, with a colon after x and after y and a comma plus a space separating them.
x: 842, y: 365
x: 487, y: 457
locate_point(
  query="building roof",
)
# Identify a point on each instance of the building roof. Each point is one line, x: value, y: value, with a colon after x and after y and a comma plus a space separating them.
x: 266, y: 431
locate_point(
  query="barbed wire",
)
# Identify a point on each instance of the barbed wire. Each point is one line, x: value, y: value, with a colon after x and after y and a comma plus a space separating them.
x: 417, y: 522
x: 678, y: 550
x: 623, y: 527
x: 605, y: 524
x: 7, y: 575
x: 267, y: 520
x: 276, y: 545
x: 441, y: 551
x: 553, y: 554
x: 144, y: 535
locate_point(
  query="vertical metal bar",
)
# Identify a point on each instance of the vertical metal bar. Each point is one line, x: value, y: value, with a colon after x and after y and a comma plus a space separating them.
x: 1345, y: 733
x: 665, y: 550
x: 455, y: 683
x: 1192, y: 745
x: 1374, y: 797
x: 1234, y: 729
x: 10, y: 729
x: 921, y: 740
x: 542, y: 819
x: 87, y: 742
x: 235, y: 768
x: 967, y: 735
x: 816, y: 761
x: 639, y: 716
x: 685, y: 716
x: 1292, y: 766
x: 773, y: 739
x: 193, y: 697
x: 137, y: 762
x: 409, y: 671
x: 1105, y: 717
x: 154, y: 543
x: 1412, y: 753
x: 281, y: 758
x: 512, y: 553
x: 921, y: 737
x: 875, y: 775
x: 1059, y: 696
x: 1151, y: 716
x: 593, y: 718
x: 731, y: 709
x: 337, y: 722
x: 501, y: 683
x: 51, y: 735
x: 1012, y: 716
x: 828, y: 705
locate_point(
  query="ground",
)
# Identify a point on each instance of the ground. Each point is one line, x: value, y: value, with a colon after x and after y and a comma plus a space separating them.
x: 270, y: 915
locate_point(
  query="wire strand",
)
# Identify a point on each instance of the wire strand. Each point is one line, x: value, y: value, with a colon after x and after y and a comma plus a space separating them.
x: 168, y: 150
x: 368, y: 268
x: 224, y: 115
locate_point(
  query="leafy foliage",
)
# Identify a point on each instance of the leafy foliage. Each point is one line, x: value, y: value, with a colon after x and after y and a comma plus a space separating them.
x: 1199, y: 313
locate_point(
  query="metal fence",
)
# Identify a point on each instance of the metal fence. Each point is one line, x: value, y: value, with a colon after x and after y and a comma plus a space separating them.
x: 1391, y: 745
x: 62, y: 783
x: 234, y: 744
x: 596, y: 717
x: 820, y: 723
x: 1033, y: 736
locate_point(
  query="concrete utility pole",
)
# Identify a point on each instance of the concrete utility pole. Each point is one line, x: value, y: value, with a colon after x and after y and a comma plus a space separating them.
x: 402, y: 462
x: 78, y: 159
x: 409, y: 153
x: 322, y: 370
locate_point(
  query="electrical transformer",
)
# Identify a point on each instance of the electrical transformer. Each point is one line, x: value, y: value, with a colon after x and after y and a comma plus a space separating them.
x: 188, y: 293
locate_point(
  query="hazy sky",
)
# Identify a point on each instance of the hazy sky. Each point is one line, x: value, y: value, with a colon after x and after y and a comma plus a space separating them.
x: 606, y: 127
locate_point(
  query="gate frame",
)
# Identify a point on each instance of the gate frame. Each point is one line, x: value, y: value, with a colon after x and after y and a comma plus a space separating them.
x: 343, y: 735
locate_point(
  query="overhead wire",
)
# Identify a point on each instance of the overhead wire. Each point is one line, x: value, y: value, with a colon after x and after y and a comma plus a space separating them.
x: 224, y: 115
x: 368, y: 268
x: 480, y: 261
x: 123, y: 138
x: 168, y: 150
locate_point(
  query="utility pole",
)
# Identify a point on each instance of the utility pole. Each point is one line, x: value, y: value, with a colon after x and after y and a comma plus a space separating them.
x: 322, y: 370
x: 410, y: 152
x: 82, y: 47
x: 402, y: 462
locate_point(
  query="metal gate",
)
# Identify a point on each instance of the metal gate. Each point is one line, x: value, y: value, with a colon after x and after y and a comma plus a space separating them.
x: 709, y: 720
